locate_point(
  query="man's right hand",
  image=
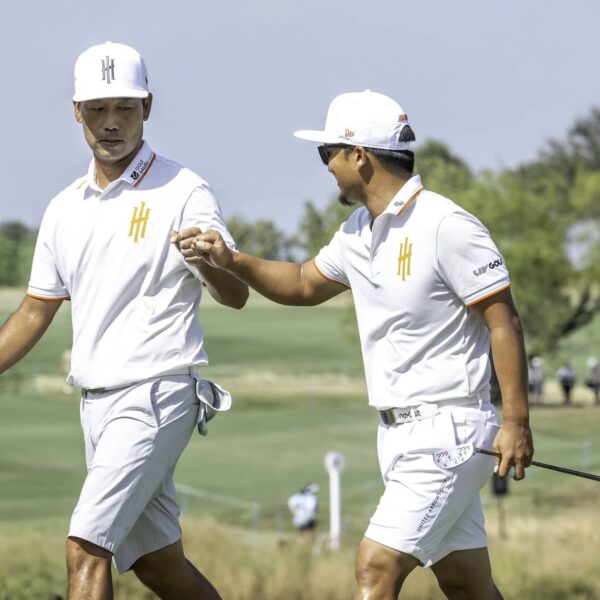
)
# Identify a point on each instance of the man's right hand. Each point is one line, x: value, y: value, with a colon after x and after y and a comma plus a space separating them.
x: 284, y: 282
x: 25, y: 327
x: 211, y: 246
x: 197, y: 247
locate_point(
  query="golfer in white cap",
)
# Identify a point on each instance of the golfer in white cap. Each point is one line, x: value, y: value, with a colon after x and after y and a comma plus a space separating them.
x: 431, y: 290
x: 108, y: 243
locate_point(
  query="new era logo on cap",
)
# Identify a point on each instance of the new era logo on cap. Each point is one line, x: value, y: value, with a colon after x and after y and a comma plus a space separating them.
x: 110, y: 71
x: 365, y: 119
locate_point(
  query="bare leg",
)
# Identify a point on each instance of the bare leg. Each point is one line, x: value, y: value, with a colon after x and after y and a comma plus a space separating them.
x: 89, y: 572
x: 466, y: 575
x: 171, y: 576
x: 307, y: 537
x: 381, y: 571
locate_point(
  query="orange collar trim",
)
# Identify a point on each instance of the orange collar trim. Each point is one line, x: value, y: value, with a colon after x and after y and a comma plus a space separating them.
x: 145, y: 171
x: 411, y: 199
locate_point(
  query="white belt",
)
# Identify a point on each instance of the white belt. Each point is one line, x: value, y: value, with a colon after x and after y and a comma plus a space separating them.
x: 426, y: 410
x: 100, y: 390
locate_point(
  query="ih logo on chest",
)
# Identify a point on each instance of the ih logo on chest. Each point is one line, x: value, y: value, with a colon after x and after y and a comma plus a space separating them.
x: 139, y: 221
x: 404, y: 259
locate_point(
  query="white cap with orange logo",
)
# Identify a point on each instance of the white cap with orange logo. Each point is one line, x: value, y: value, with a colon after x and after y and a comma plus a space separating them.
x: 365, y: 119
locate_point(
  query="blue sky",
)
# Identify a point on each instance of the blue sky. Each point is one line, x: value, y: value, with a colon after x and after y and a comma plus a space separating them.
x: 233, y: 79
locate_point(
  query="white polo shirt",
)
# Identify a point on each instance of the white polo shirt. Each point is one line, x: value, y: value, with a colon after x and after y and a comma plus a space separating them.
x: 134, y: 299
x: 413, y: 276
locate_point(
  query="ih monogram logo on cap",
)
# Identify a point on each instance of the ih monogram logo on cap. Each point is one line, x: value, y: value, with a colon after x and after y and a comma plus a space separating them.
x: 108, y: 69
x: 139, y: 221
x: 404, y: 259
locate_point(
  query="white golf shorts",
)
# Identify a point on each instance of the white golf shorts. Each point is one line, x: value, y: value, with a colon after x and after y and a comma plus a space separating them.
x: 133, y: 439
x: 428, y: 511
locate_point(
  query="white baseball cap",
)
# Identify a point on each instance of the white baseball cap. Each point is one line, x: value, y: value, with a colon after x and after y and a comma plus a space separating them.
x: 110, y: 71
x: 362, y: 119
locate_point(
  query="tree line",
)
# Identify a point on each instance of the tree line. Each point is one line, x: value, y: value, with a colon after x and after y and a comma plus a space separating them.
x: 544, y: 216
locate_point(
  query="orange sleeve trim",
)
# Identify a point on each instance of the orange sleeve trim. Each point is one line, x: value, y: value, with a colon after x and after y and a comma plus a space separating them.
x: 411, y: 199
x: 47, y: 298
x: 145, y: 172
x: 328, y: 278
x: 500, y: 289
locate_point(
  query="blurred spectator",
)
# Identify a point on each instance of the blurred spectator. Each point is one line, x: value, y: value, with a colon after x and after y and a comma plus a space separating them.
x: 303, y: 507
x: 536, y: 380
x: 593, y: 378
x: 566, y: 378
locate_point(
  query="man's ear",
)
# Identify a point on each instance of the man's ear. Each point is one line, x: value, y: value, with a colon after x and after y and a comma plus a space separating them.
x: 147, y: 104
x: 360, y: 157
x: 77, y: 112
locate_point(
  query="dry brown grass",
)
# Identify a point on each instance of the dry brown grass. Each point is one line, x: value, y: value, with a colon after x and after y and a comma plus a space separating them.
x: 554, y: 558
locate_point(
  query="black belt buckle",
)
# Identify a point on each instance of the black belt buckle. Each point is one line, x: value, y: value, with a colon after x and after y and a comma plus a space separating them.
x: 87, y: 391
x: 387, y: 416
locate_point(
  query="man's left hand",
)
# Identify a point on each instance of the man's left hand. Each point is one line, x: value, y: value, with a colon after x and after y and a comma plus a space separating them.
x: 515, y: 445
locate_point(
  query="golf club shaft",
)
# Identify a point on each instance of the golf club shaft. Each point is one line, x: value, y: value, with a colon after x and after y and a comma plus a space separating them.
x: 535, y: 463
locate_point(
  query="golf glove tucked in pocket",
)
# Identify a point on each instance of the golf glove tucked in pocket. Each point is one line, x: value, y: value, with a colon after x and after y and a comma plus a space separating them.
x: 213, y: 399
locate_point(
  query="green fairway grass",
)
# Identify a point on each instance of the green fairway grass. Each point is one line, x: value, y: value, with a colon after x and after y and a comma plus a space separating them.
x: 299, y: 392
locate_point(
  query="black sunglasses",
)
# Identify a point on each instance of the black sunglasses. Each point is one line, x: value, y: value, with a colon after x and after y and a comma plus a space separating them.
x: 325, y: 151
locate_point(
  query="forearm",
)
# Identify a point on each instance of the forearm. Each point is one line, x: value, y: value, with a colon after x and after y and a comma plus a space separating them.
x: 224, y: 287
x: 282, y: 282
x: 23, y: 329
x: 513, y: 442
x: 510, y: 362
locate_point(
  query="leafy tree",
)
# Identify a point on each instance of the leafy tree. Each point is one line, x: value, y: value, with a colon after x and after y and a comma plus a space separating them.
x: 261, y: 238
x: 581, y: 150
x: 441, y: 170
x: 317, y: 228
x: 16, y: 252
x: 568, y: 171
x: 531, y: 234
x: 544, y: 218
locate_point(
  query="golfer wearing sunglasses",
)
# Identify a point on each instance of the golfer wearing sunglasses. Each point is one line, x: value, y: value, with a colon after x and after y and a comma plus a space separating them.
x: 432, y: 293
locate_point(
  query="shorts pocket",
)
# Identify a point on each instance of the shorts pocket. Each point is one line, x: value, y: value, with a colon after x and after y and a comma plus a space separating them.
x: 486, y: 440
x: 436, y: 433
x: 475, y: 426
x: 469, y: 422
x: 139, y: 404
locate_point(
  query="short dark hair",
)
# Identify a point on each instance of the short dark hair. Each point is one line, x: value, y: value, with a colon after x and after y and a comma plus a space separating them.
x: 398, y: 162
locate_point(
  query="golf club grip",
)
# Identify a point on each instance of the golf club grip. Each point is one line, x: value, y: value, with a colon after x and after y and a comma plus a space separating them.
x: 542, y: 465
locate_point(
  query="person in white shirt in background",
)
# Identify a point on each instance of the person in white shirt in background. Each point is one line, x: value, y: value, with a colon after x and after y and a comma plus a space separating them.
x: 109, y: 243
x: 593, y: 378
x: 431, y: 292
x: 536, y: 380
x: 566, y: 378
x: 304, y: 506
